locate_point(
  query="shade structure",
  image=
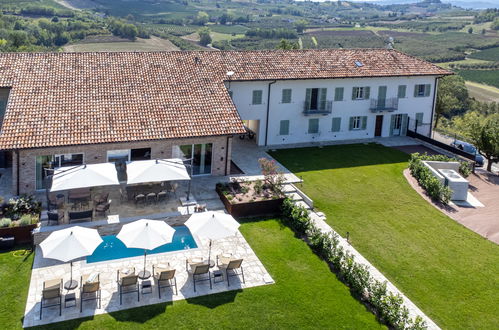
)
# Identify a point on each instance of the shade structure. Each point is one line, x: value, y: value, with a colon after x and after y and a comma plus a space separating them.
x: 212, y: 225
x: 156, y: 170
x: 146, y: 234
x: 69, y: 244
x: 84, y: 176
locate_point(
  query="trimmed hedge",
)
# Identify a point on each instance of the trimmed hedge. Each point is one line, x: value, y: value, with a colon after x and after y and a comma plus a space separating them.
x: 388, y: 307
x: 428, y: 181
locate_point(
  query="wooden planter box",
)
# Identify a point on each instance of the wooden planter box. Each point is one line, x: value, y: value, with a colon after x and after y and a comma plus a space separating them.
x: 21, y: 234
x: 252, y: 209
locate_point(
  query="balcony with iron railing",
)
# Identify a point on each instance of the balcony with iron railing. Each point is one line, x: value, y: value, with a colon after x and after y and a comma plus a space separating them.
x: 390, y: 104
x: 324, y: 110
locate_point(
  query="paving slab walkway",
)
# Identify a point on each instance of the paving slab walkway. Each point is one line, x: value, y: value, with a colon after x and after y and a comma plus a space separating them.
x: 47, y: 269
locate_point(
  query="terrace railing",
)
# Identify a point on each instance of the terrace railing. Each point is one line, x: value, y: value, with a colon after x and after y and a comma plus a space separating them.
x: 390, y: 104
x: 327, y: 109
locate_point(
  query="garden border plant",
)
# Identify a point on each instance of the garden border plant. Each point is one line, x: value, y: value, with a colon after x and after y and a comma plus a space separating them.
x: 388, y: 307
x: 433, y: 187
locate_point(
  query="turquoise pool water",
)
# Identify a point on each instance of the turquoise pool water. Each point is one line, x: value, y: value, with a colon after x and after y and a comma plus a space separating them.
x: 112, y: 248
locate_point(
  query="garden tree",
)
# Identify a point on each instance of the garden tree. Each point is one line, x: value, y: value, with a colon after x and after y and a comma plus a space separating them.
x: 300, y: 25
x: 202, y: 18
x: 204, y: 36
x: 487, y: 140
x: 285, y: 44
x: 18, y: 38
x: 470, y: 30
x: 271, y: 173
x: 452, y: 96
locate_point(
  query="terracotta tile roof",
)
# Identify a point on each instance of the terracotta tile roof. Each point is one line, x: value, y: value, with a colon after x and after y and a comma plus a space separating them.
x: 86, y: 98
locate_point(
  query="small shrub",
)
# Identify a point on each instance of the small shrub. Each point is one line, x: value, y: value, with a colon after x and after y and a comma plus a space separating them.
x: 258, y: 187
x: 244, y: 189
x: 22, y: 205
x: 25, y: 220
x: 5, y: 222
x: 273, y: 177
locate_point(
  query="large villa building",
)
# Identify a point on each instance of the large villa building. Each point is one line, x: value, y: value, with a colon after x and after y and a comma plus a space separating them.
x: 61, y: 109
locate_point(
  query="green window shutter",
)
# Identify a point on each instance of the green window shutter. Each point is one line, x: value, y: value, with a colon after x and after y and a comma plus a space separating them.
x: 427, y: 89
x: 313, y: 125
x: 363, y: 123
x: 401, y: 91
x: 257, y: 97
x: 336, y: 124
x: 286, y: 96
x: 350, y: 126
x: 231, y: 93
x: 338, y: 93
x: 416, y: 90
x: 308, y: 97
x: 419, y: 118
x: 284, y: 127
x: 392, y: 124
x: 354, y: 92
x: 403, y: 129
x: 322, y: 98
x: 367, y: 92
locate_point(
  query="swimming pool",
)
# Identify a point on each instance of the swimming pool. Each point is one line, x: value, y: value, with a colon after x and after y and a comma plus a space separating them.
x: 112, y: 248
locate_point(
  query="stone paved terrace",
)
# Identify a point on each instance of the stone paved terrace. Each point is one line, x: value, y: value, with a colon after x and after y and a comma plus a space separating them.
x: 47, y: 269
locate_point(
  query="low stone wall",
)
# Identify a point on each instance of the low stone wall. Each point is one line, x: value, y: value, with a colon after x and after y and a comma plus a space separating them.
x: 434, y: 166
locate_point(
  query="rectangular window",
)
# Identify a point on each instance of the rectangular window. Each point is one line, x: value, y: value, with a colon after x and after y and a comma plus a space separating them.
x: 336, y: 124
x: 402, y: 91
x: 338, y: 93
x: 419, y: 118
x: 51, y: 162
x: 114, y: 156
x: 360, y: 93
x: 422, y: 90
x: 286, y: 96
x: 284, y: 127
x: 257, y: 97
x: 315, y: 99
x: 197, y: 156
x: 140, y: 154
x: 358, y: 123
x: 313, y: 126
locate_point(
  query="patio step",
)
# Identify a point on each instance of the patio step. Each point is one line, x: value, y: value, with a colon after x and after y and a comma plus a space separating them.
x: 302, y: 203
x: 294, y: 196
x: 288, y: 188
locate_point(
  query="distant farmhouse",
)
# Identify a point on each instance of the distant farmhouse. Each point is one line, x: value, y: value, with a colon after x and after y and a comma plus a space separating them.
x: 62, y: 109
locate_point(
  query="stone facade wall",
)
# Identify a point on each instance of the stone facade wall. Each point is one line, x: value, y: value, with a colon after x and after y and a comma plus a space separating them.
x: 97, y: 153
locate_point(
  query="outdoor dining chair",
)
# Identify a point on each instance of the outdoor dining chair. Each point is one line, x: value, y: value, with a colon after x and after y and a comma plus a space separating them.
x: 140, y: 199
x: 55, y: 217
x: 90, y: 289
x: 151, y: 198
x: 128, y: 282
x: 102, y: 208
x: 162, y: 196
x: 232, y: 266
x: 165, y: 277
x: 51, y: 295
x: 199, y: 272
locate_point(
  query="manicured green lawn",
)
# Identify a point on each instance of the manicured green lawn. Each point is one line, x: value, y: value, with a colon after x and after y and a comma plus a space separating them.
x: 306, y: 295
x: 450, y: 272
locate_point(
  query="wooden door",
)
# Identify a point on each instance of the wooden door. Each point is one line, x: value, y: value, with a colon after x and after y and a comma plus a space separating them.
x: 379, y: 125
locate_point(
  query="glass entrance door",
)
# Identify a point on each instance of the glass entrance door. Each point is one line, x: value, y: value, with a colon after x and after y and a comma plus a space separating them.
x: 199, y: 156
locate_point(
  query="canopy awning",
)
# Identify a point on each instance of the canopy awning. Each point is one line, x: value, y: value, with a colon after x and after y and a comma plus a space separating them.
x: 156, y: 170
x: 84, y: 176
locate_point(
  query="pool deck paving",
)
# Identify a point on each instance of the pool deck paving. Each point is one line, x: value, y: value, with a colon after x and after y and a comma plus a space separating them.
x: 47, y: 269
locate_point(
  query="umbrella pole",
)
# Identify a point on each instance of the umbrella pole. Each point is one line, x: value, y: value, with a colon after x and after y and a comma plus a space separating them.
x: 144, y: 274
x: 209, y: 252
x: 71, y: 284
x: 145, y: 254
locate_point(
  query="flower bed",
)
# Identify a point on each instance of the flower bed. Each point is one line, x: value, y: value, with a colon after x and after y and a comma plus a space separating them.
x: 21, y: 216
x: 248, y: 199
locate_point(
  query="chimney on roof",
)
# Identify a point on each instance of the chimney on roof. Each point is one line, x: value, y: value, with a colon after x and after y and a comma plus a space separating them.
x: 389, y: 44
x: 197, y: 60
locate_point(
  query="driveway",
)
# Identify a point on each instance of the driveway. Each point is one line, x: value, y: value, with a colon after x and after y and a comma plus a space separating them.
x: 484, y: 221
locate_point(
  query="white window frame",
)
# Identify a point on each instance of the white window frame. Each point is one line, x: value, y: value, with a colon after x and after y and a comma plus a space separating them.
x: 421, y: 90
x: 357, y: 122
x: 359, y: 93
x: 54, y: 157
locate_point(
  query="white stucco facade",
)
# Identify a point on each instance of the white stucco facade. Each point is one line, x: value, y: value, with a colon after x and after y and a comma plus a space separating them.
x: 409, y: 108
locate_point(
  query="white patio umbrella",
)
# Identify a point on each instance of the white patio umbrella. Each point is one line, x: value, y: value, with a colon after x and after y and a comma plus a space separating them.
x: 156, y: 170
x: 212, y: 225
x: 84, y: 176
x: 146, y: 234
x: 69, y: 244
